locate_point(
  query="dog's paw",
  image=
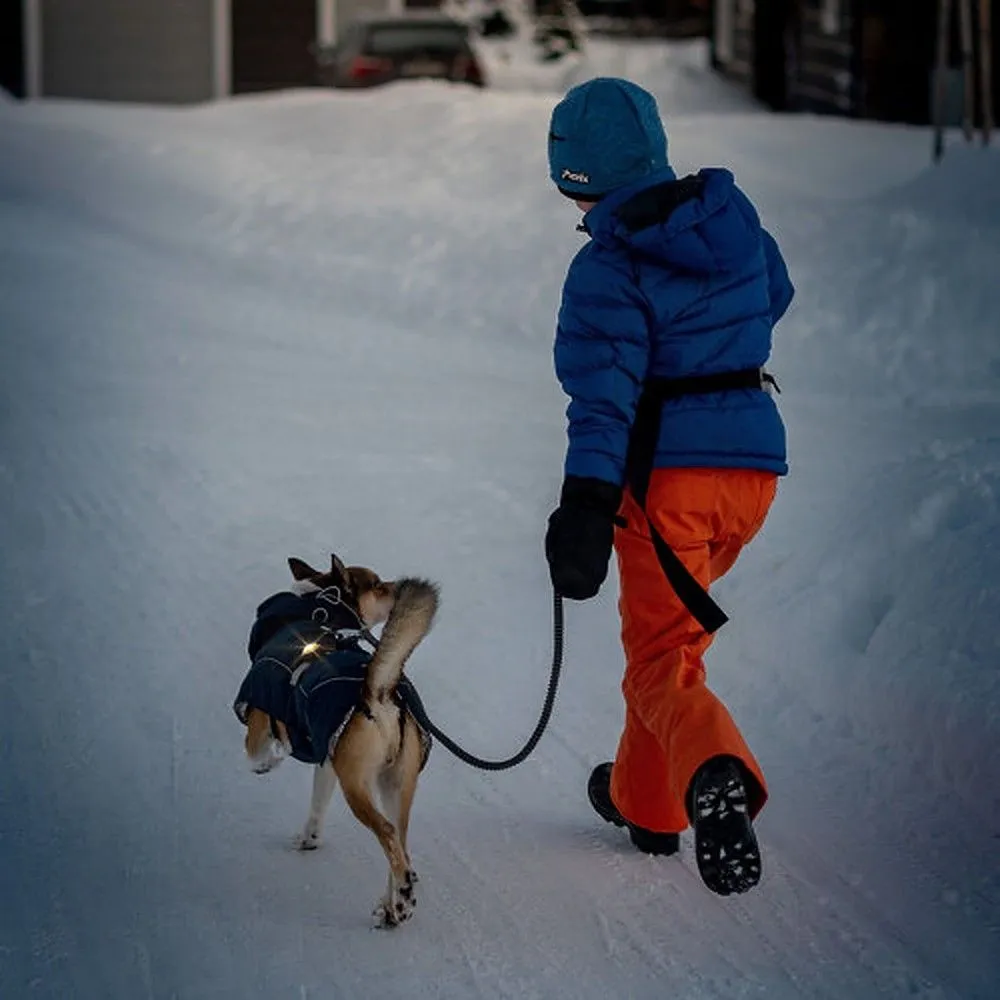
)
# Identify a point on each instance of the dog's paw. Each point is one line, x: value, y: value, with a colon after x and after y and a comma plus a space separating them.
x: 387, y: 915
x: 398, y: 906
x: 309, y: 839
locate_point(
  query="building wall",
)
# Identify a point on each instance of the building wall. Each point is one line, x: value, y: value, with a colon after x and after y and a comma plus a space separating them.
x: 128, y: 50
x: 733, y: 39
x: 868, y: 58
x: 790, y: 54
x: 824, y: 72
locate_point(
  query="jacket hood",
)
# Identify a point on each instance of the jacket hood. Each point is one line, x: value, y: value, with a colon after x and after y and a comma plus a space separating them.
x: 702, y: 224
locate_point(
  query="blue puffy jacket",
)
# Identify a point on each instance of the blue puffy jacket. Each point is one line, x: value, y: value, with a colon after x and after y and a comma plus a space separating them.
x: 679, y: 278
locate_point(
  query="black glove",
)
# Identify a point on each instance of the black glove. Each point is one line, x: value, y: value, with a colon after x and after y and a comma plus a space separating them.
x: 580, y: 536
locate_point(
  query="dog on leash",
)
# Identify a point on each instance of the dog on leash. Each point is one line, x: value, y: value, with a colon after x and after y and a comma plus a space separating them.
x: 313, y: 693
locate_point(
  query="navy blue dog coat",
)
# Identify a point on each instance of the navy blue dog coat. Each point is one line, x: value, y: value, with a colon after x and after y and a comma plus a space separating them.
x: 313, y: 695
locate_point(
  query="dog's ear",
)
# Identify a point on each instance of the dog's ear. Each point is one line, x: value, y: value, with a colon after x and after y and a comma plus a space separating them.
x: 337, y: 567
x: 301, y: 570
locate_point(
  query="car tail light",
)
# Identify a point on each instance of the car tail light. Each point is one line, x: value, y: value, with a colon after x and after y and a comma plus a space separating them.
x: 365, y: 67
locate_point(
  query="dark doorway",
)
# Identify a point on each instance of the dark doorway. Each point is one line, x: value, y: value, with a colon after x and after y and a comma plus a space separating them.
x: 271, y: 44
x: 897, y: 58
x: 12, y: 47
x: 777, y: 35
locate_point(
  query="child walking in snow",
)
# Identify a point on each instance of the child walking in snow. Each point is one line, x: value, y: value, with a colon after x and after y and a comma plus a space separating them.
x: 667, y: 311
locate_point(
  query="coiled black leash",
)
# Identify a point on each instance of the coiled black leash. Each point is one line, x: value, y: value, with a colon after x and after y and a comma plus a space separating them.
x: 332, y: 595
x: 420, y: 713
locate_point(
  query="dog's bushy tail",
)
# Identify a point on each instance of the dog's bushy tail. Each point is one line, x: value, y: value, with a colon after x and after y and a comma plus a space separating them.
x: 409, y: 621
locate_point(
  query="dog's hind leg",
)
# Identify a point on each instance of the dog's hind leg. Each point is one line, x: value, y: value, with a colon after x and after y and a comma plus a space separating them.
x: 398, y: 785
x: 324, y: 785
x: 358, y: 760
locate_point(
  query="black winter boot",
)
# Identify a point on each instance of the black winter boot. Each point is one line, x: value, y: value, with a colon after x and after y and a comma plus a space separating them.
x: 647, y: 841
x: 724, y: 842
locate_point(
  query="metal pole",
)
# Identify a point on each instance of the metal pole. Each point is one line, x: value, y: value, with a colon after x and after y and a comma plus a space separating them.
x: 968, y: 70
x: 34, y: 80
x: 944, y: 18
x: 222, y: 48
x: 986, y: 66
x: 326, y: 22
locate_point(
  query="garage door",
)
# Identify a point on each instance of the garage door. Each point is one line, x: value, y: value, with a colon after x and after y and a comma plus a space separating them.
x: 271, y: 40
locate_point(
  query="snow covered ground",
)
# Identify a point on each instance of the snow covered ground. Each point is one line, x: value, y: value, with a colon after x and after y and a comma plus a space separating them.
x: 316, y: 321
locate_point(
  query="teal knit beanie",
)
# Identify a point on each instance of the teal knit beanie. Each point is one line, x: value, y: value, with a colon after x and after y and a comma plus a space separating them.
x: 604, y: 134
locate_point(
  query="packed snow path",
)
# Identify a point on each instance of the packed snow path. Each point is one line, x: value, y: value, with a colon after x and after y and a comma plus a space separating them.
x: 318, y: 321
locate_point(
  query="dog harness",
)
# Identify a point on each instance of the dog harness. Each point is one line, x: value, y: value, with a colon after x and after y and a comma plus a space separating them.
x: 307, y: 671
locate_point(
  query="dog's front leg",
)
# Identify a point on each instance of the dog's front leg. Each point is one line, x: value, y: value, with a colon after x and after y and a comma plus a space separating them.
x: 324, y: 785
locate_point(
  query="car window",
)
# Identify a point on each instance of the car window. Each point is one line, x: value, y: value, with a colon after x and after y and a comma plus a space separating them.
x: 392, y: 39
x: 352, y: 39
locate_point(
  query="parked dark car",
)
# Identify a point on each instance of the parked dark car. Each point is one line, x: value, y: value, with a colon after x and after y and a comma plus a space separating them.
x: 382, y: 49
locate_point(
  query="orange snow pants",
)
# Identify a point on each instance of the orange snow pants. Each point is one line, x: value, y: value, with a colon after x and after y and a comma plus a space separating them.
x: 673, y: 722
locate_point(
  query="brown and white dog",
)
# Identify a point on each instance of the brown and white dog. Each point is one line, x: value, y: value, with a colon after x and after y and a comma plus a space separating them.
x: 378, y: 753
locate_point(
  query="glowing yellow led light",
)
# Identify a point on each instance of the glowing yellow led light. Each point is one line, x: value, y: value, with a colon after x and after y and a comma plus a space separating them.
x: 310, y: 647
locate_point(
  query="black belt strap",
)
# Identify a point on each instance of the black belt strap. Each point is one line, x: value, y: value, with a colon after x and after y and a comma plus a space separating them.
x: 662, y: 389
x: 639, y: 469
